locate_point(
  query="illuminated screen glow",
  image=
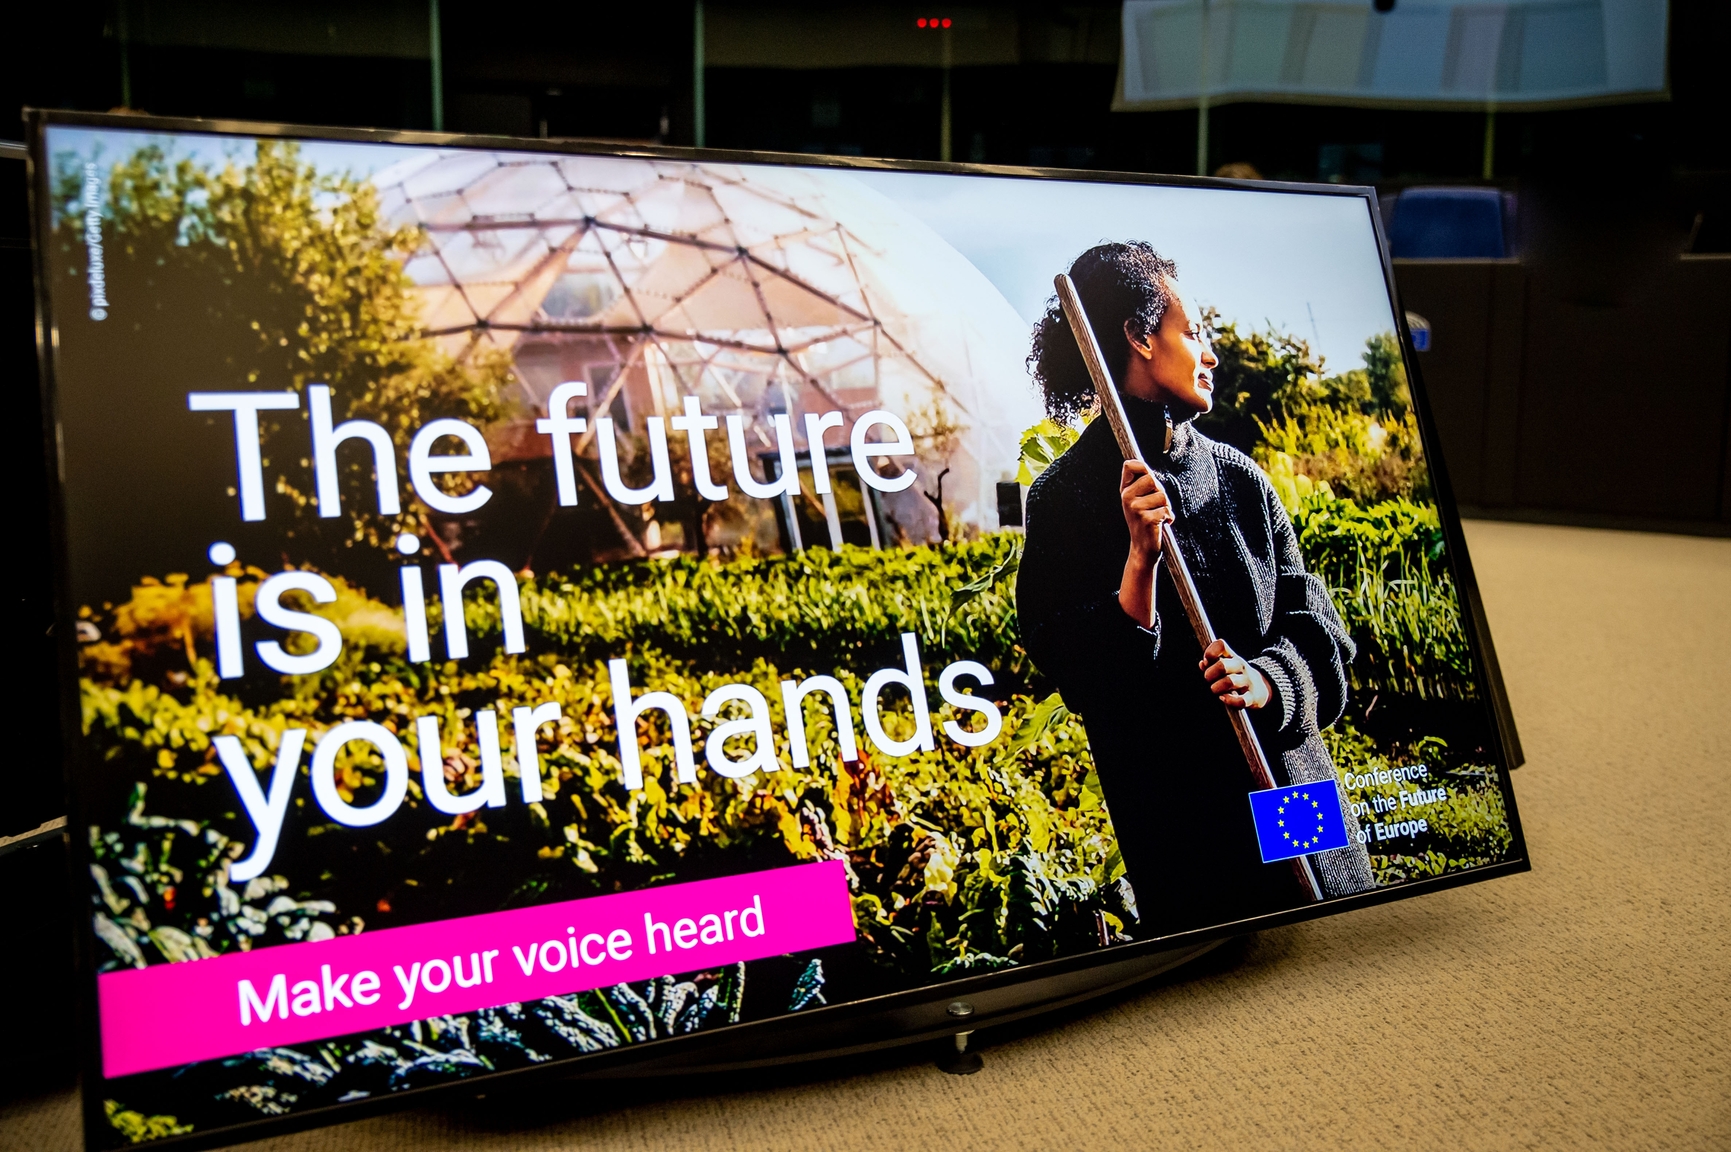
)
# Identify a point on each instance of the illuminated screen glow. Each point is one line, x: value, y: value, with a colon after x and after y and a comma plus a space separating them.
x: 531, y: 603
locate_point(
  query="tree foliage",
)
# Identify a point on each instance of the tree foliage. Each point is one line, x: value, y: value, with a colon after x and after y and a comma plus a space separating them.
x: 273, y: 275
x: 1354, y: 431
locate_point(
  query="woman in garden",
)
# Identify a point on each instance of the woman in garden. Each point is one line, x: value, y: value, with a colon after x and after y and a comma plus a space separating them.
x: 1100, y: 616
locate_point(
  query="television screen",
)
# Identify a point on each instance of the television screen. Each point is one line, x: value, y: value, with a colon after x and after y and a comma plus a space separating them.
x: 523, y: 602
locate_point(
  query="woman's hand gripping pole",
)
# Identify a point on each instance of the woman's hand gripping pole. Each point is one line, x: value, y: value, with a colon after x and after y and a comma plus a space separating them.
x: 1159, y: 529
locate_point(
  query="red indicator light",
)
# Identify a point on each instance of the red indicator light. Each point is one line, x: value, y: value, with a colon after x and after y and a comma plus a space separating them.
x: 946, y: 22
x: 921, y: 21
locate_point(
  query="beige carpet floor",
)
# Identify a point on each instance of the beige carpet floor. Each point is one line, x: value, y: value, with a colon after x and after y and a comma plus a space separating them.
x: 1584, y: 1004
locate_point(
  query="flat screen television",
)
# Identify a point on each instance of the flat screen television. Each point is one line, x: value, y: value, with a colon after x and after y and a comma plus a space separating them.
x: 530, y: 607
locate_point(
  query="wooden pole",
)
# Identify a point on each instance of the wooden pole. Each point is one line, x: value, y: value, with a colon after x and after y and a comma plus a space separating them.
x: 1113, y: 407
x: 945, y: 149
x: 1488, y: 169
x: 436, y: 55
x: 1202, y: 98
x: 699, y: 65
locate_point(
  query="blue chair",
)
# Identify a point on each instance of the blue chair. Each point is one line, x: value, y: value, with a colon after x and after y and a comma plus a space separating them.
x: 1448, y: 223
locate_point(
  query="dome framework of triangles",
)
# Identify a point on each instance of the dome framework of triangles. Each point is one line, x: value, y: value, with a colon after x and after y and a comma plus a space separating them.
x: 756, y: 289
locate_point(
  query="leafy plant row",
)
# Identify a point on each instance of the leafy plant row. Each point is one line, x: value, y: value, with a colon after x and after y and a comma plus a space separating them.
x: 1016, y: 826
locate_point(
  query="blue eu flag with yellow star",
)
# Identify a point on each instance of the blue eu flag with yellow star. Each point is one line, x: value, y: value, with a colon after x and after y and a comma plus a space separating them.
x: 1298, y: 820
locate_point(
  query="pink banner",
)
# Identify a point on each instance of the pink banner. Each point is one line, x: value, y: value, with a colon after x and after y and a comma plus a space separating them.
x: 173, y: 1014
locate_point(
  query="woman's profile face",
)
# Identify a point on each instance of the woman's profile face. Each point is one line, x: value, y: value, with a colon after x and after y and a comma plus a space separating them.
x: 1175, y: 364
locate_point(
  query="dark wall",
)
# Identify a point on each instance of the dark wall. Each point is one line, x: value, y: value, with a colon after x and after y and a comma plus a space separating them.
x: 626, y: 72
x: 32, y: 783
x: 529, y: 69
x: 1047, y: 114
x: 36, y: 976
x: 1554, y: 404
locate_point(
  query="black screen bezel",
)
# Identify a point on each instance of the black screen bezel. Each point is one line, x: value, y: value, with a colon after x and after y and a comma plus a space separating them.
x: 917, y: 1011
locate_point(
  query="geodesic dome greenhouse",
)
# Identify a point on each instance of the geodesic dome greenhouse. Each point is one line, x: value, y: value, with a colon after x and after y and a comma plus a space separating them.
x: 759, y: 291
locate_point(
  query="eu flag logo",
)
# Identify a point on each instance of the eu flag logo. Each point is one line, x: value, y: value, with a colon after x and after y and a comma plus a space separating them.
x: 1298, y: 820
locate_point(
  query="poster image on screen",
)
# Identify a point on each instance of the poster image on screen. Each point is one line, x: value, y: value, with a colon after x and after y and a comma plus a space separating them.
x: 529, y: 604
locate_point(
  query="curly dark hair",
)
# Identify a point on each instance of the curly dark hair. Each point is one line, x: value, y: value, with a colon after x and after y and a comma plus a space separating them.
x: 1118, y: 284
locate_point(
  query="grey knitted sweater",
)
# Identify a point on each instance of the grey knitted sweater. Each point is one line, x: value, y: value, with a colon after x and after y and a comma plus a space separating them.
x: 1174, y: 778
